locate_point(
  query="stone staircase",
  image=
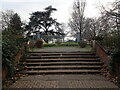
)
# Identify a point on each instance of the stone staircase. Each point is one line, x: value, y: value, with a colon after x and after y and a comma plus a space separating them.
x: 44, y: 63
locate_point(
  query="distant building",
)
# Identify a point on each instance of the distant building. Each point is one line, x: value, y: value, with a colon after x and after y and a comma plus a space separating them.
x: 52, y: 37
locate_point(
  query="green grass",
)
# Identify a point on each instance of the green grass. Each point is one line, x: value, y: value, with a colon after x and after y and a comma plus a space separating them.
x: 53, y: 45
x: 88, y: 47
x: 59, y: 44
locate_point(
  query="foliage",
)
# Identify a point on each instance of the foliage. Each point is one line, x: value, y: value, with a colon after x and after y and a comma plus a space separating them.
x: 68, y: 44
x: 43, y: 21
x: 10, y: 47
x: 39, y: 43
x: 111, y: 41
x: 49, y: 44
x: 118, y: 81
x: 15, y: 25
x: 115, y: 59
x: 98, y: 38
x: 109, y: 20
x: 12, y: 41
x: 83, y: 44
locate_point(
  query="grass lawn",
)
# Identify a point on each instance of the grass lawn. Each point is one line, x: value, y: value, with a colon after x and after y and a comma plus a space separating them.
x: 86, y: 48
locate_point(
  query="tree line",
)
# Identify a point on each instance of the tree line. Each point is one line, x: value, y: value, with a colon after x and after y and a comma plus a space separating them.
x: 90, y: 28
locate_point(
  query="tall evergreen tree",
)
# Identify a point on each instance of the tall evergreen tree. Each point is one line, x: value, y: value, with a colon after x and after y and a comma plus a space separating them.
x: 41, y: 20
x: 15, y: 24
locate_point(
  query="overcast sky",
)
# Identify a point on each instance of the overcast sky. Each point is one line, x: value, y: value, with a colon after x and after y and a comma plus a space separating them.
x: 64, y: 7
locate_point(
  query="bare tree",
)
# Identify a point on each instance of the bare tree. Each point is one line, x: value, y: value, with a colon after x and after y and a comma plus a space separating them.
x: 113, y: 14
x: 77, y: 17
x: 5, y: 18
x: 89, y: 28
x: 104, y: 24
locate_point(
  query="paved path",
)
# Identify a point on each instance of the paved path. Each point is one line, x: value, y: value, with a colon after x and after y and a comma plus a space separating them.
x: 64, y: 81
x: 61, y: 49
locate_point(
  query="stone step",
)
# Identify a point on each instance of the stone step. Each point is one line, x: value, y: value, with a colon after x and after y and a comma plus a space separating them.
x: 83, y: 62
x: 65, y: 56
x: 85, y: 52
x: 63, y: 67
x: 42, y: 72
x: 62, y: 63
x: 58, y: 54
x: 64, y: 60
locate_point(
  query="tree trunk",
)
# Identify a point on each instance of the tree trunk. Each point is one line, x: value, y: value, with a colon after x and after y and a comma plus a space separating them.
x: 46, y: 36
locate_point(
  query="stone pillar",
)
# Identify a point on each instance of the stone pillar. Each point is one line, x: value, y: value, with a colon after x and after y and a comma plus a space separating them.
x: 94, y: 46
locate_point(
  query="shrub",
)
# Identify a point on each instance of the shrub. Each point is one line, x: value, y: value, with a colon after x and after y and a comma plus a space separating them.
x: 118, y: 81
x: 68, y: 44
x: 110, y: 41
x: 39, y: 43
x: 11, y: 44
x: 83, y: 44
x: 49, y: 44
x: 115, y: 59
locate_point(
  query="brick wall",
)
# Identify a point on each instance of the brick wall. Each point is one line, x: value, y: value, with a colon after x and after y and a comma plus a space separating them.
x: 100, y: 51
x: 105, y: 57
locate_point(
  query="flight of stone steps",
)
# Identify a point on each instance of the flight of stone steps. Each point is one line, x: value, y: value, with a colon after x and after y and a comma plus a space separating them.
x: 44, y: 63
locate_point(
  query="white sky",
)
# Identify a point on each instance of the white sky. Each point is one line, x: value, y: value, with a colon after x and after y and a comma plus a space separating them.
x: 64, y: 7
